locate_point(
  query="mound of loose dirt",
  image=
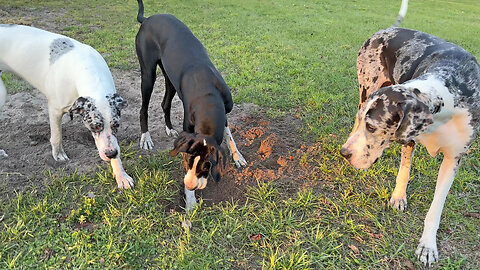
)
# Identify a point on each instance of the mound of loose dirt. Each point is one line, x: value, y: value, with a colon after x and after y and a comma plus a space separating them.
x: 269, y: 145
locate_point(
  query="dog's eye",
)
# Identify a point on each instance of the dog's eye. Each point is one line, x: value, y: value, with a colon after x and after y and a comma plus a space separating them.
x: 370, y: 128
x: 206, y: 166
x: 97, y: 128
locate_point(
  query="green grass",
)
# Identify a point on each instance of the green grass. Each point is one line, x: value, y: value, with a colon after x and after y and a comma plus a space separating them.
x: 289, y: 56
x: 14, y: 84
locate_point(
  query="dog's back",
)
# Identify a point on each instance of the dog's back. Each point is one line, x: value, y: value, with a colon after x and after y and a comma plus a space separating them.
x: 177, y: 48
x: 15, y: 40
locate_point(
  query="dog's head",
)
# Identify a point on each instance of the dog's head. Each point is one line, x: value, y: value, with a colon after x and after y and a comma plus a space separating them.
x: 392, y: 113
x: 201, y: 155
x: 102, y: 118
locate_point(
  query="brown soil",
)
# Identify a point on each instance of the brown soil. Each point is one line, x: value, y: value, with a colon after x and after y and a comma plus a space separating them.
x: 268, y: 146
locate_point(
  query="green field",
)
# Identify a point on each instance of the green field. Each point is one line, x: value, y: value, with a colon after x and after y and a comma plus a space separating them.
x: 293, y: 57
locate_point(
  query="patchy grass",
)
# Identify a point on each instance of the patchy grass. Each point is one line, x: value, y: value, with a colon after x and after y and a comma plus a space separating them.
x: 289, y: 56
x: 15, y: 84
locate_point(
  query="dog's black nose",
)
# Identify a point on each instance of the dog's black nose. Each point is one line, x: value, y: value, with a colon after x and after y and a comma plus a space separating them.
x: 345, y: 153
x: 111, y: 154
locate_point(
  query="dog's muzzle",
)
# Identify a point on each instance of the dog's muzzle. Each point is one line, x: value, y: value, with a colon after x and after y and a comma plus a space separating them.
x: 111, y: 154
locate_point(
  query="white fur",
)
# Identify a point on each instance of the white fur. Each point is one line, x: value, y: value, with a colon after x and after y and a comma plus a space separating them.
x: 403, y: 8
x: 80, y: 71
x: 146, y: 142
x: 171, y: 132
x: 190, y: 200
x: 432, y: 86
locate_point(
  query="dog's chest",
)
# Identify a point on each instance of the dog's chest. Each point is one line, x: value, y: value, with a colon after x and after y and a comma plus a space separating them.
x: 452, y: 136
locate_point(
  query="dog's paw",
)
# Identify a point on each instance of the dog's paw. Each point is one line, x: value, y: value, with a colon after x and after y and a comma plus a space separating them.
x: 3, y: 154
x: 124, y: 181
x: 146, y: 141
x: 399, y: 202
x: 190, y: 200
x: 60, y: 156
x: 239, y: 160
x: 171, y: 132
x: 427, y: 252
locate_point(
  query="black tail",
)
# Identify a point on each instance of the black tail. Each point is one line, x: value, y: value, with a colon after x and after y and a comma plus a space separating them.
x: 401, y: 13
x: 140, y: 17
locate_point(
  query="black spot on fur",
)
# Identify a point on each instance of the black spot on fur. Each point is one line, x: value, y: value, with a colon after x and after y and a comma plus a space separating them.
x: 405, y: 59
x: 367, y: 42
x: 377, y: 111
x: 364, y: 95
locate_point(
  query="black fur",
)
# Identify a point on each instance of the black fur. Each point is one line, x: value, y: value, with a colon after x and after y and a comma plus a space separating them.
x: 165, y: 41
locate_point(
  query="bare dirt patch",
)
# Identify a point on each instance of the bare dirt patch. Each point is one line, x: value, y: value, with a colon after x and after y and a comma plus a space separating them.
x: 268, y: 145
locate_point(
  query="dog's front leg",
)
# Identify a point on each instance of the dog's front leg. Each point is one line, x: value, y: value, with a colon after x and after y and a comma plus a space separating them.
x: 399, y: 194
x: 427, y: 249
x: 190, y: 200
x: 232, y: 147
x: 124, y: 181
x: 55, y: 116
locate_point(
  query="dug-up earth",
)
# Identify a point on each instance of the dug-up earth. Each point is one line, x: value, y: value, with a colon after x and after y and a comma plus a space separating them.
x: 268, y: 144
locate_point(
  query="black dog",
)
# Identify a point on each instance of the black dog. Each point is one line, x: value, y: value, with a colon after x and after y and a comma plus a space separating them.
x: 165, y: 41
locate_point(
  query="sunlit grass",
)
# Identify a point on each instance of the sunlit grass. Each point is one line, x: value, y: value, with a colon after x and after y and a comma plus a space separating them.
x: 288, y: 56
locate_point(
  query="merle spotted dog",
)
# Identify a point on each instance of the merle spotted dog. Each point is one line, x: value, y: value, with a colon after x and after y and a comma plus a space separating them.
x: 415, y: 87
x: 165, y: 41
x: 74, y: 78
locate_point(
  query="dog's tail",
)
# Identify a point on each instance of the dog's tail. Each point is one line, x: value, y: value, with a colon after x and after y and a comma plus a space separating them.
x: 140, y: 17
x: 3, y: 92
x: 401, y: 13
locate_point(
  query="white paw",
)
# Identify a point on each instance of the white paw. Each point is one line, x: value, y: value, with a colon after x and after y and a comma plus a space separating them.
x: 427, y: 252
x: 171, y: 132
x: 190, y: 200
x: 399, y: 202
x: 3, y: 154
x: 124, y: 181
x: 60, y: 156
x: 146, y: 141
x: 239, y: 160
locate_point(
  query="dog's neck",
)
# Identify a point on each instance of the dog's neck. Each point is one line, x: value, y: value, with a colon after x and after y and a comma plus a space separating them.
x: 431, y: 90
x: 209, y: 119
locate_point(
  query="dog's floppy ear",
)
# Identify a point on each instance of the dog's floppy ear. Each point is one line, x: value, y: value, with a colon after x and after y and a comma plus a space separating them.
x: 183, y: 143
x: 217, y: 160
x: 415, y: 117
x: 117, y: 101
x: 78, y: 107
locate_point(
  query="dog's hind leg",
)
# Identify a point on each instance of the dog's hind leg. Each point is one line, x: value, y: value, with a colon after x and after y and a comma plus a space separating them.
x: 399, y: 196
x: 427, y: 249
x: 3, y: 98
x: 55, y: 116
x: 148, y: 80
x: 232, y: 147
x: 167, y: 104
